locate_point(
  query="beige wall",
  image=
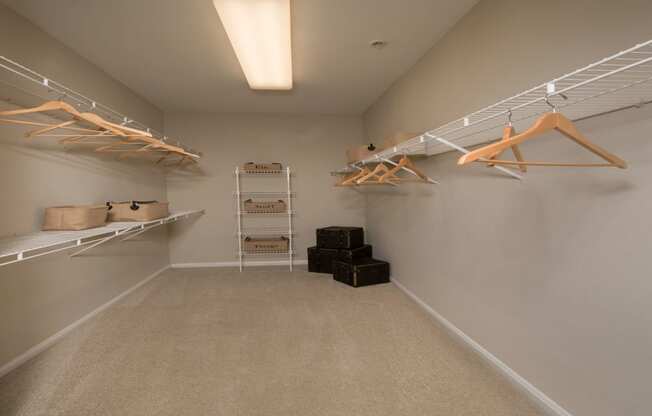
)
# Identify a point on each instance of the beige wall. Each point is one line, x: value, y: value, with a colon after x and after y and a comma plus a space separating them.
x: 42, y: 296
x: 550, y: 274
x: 311, y: 145
x: 500, y: 48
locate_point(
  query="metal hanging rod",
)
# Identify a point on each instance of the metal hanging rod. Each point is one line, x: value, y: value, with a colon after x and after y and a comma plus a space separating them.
x: 617, y: 82
x: 82, y: 101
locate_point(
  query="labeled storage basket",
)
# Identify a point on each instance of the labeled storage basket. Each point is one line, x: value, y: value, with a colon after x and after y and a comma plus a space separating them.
x: 137, y: 210
x: 261, y: 245
x: 265, y: 207
x: 74, y: 217
x: 252, y: 167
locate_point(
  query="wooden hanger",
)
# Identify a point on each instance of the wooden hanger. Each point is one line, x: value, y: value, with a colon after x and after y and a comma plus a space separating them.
x: 374, y: 177
x: 121, y: 146
x: 47, y: 106
x: 350, y: 180
x: 67, y: 108
x: 509, y: 132
x: 120, y: 137
x: 406, y: 164
x: 98, y: 135
x: 547, y: 122
x: 50, y: 128
x: 104, y: 129
x: 166, y: 156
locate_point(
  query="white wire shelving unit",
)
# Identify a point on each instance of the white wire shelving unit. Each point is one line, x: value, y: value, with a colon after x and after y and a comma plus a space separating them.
x: 25, y: 247
x: 25, y: 87
x: 618, y: 82
x: 265, y: 230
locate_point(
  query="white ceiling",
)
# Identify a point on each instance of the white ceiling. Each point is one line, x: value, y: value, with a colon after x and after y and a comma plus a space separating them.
x: 176, y: 54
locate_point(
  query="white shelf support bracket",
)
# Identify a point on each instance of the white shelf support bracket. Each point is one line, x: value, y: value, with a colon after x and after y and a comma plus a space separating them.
x: 410, y: 171
x: 550, y: 88
x: 143, y: 229
x: 99, y: 242
x: 465, y: 151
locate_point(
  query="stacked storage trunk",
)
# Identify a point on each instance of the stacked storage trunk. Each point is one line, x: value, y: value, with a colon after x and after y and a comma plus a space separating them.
x: 341, y: 251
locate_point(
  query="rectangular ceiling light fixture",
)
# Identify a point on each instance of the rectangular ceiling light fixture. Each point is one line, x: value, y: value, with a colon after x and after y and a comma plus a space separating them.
x: 260, y: 32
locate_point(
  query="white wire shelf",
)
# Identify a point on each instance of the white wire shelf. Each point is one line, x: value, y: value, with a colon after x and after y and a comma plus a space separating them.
x: 29, y: 246
x: 617, y: 82
x: 27, y: 88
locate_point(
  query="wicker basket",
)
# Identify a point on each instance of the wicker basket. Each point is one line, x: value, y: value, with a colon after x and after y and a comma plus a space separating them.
x: 259, y: 245
x: 137, y: 210
x: 265, y: 207
x: 74, y: 217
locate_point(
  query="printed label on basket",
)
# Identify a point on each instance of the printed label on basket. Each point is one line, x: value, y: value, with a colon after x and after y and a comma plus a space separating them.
x: 265, y: 207
x: 266, y: 245
x: 252, y: 167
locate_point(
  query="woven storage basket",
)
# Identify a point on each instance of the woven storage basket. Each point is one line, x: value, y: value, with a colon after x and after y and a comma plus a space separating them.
x: 266, y: 245
x: 137, y: 210
x: 265, y: 207
x: 74, y: 217
x: 252, y: 167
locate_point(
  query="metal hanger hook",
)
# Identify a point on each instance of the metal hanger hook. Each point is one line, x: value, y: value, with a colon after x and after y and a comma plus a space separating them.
x: 509, y: 117
x: 554, y: 107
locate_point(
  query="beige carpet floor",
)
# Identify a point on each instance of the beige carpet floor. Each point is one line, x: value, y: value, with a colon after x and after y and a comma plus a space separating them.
x: 217, y: 342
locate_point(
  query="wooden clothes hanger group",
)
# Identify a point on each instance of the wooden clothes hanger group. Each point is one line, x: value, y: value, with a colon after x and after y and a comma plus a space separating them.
x: 380, y: 175
x: 383, y: 175
x: 546, y: 123
x: 111, y: 136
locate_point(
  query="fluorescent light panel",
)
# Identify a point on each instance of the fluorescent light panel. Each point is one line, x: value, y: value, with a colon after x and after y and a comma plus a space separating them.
x: 260, y: 32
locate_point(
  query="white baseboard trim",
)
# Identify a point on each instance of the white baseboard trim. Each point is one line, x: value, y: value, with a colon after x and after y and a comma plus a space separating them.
x: 549, y: 406
x: 236, y: 264
x: 48, y: 342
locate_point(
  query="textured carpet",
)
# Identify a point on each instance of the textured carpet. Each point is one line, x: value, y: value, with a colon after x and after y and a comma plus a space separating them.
x: 217, y: 342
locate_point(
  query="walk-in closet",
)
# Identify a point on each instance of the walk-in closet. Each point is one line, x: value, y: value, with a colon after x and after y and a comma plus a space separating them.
x: 325, y: 207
